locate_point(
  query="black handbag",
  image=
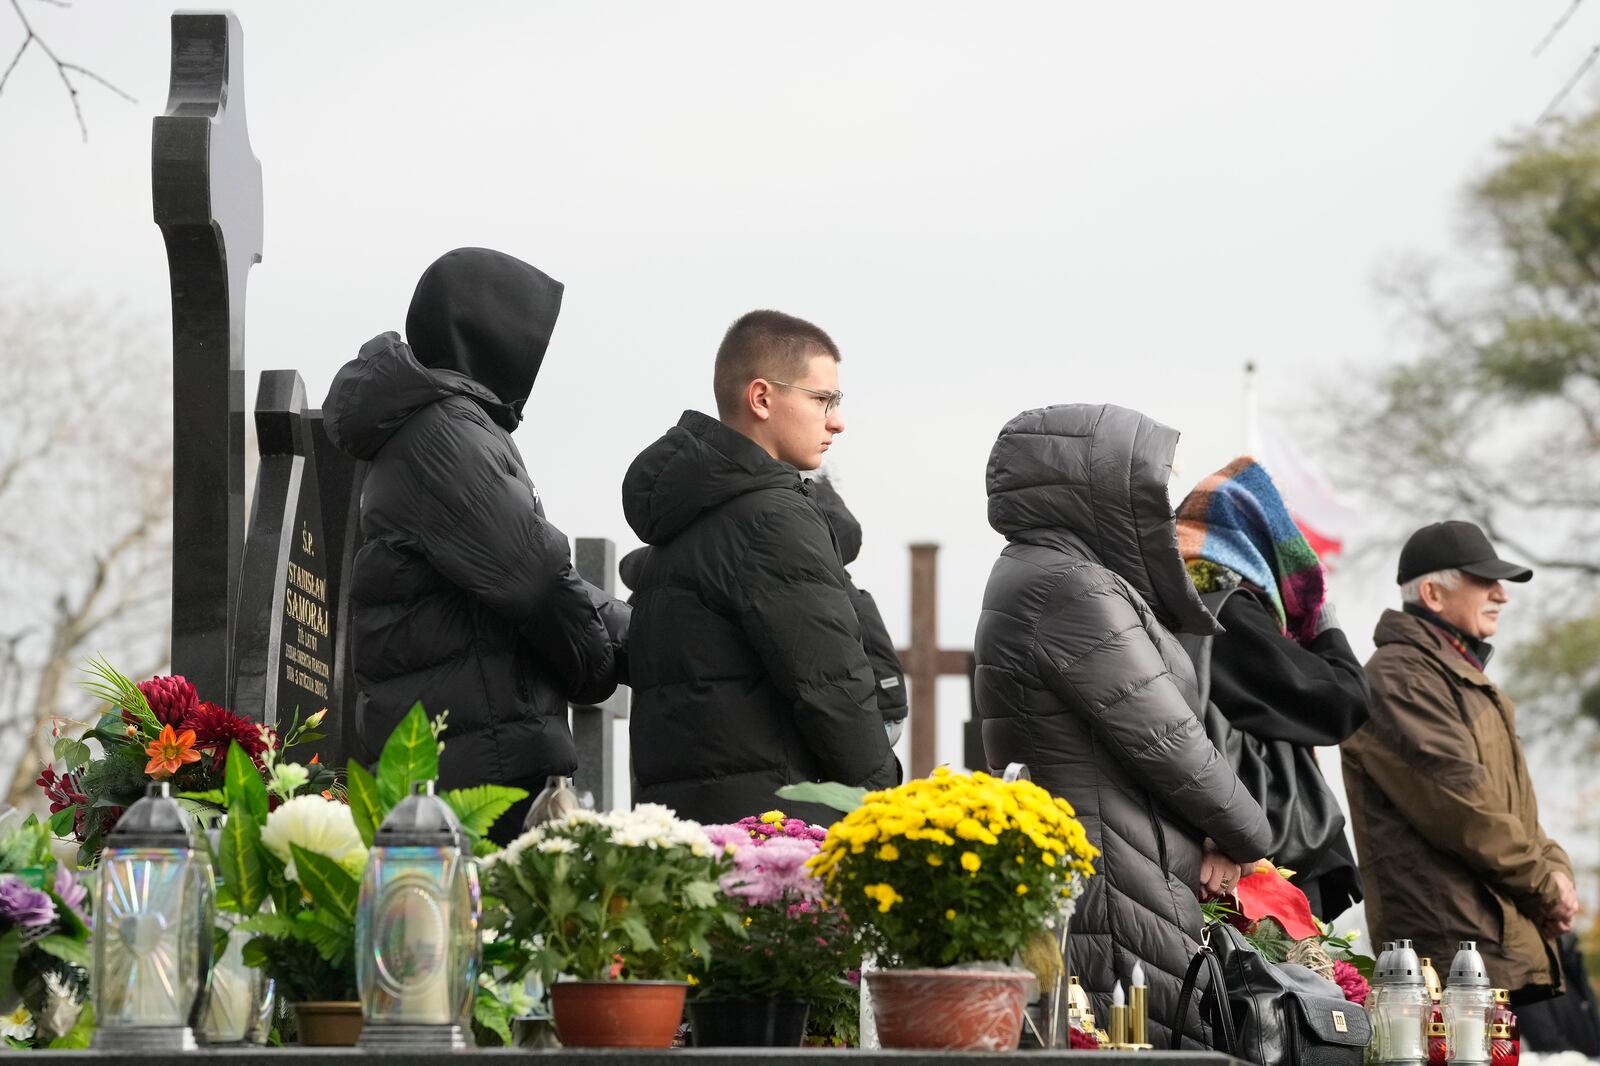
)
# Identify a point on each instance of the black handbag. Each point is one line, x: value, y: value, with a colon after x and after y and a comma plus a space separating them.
x: 1282, y: 776
x: 1272, y: 1014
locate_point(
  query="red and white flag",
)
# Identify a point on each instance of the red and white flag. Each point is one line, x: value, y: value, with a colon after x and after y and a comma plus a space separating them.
x: 1312, y: 500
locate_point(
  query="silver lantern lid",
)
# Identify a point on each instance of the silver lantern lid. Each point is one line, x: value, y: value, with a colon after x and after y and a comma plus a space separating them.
x: 1467, y: 969
x: 420, y: 820
x: 155, y: 821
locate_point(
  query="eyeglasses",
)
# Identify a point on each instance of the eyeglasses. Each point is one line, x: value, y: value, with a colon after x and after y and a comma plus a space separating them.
x: 834, y: 398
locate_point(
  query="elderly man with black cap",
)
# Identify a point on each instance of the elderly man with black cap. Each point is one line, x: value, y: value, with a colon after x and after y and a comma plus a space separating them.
x: 1445, y: 819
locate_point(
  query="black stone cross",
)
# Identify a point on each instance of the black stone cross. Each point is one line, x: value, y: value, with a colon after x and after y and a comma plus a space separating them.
x: 207, y: 192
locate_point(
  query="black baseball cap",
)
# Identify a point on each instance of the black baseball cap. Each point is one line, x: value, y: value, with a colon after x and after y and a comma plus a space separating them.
x: 1455, y: 546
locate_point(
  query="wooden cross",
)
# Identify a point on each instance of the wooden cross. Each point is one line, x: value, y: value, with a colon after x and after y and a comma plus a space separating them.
x: 924, y: 661
x: 206, y: 186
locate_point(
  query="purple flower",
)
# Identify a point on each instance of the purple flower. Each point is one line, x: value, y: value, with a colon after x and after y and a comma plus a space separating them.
x: 773, y: 871
x: 69, y: 891
x: 24, y: 905
x: 723, y: 835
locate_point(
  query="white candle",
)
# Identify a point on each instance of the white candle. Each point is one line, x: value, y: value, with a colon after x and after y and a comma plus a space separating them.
x: 1117, y: 998
x: 1137, y: 980
x: 1469, y: 1039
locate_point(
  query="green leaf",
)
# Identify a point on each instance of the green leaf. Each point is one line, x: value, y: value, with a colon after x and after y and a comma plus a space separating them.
x: 366, y: 807
x: 494, y: 1014
x: 66, y: 949
x: 82, y: 1032
x: 10, y: 950
x: 214, y: 796
x: 332, y: 936
x: 326, y: 882
x: 479, y: 808
x: 701, y: 893
x: 254, y: 953
x: 242, y: 783
x: 639, y: 937
x: 73, y: 752
x: 62, y: 821
x: 409, y: 755
x: 239, y: 861
x: 842, y: 798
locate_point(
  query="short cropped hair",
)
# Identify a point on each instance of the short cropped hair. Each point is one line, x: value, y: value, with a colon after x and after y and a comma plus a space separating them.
x: 1411, y: 591
x: 765, y: 344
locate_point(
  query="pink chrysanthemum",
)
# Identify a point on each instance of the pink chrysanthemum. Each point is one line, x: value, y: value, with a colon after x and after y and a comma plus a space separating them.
x: 1350, y: 981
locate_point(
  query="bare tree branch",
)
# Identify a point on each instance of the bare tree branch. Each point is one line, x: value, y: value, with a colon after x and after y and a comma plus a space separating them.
x: 64, y: 69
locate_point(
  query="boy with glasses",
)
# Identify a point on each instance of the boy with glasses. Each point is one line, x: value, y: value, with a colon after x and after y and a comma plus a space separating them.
x: 745, y: 652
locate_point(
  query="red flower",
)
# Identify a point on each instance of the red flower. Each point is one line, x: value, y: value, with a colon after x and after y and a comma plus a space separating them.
x: 62, y: 790
x: 1350, y: 981
x: 1268, y: 894
x: 215, y: 726
x: 172, y: 699
x: 1082, y: 1041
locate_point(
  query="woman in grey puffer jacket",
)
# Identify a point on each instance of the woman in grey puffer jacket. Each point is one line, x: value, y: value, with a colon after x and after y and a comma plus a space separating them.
x: 1080, y: 678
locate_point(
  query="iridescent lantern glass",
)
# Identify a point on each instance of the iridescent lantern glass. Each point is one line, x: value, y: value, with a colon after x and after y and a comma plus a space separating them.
x: 153, y: 917
x: 417, y: 944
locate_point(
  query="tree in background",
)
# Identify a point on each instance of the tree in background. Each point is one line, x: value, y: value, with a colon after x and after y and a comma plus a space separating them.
x: 85, y: 513
x: 1498, y: 419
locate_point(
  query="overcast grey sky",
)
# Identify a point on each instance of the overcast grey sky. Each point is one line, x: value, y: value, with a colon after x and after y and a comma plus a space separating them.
x: 990, y: 206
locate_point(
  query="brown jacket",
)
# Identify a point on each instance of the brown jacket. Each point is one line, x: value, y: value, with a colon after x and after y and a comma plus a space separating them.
x: 1445, y: 820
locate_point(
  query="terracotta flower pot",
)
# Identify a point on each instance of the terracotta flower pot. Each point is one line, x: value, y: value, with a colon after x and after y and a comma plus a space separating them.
x: 329, y: 1024
x: 748, y: 1022
x: 617, y: 1013
x: 963, y: 1010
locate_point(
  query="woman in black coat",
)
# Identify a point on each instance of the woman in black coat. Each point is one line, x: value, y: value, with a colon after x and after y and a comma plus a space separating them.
x: 1282, y: 677
x: 1080, y: 677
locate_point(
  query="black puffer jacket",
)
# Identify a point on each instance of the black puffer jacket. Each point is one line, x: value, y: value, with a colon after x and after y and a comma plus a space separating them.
x: 745, y: 654
x: 874, y: 634
x: 463, y: 596
x: 1080, y: 677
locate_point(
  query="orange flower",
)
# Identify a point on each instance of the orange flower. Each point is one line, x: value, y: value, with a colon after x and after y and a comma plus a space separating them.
x: 169, y: 752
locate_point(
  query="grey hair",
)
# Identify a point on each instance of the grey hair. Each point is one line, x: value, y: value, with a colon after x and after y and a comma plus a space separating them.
x: 1411, y: 591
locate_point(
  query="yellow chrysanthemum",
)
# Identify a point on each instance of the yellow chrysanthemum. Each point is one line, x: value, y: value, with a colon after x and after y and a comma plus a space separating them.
x: 950, y: 915
x: 1022, y: 889
x: 970, y: 862
x: 772, y: 817
x: 888, y: 853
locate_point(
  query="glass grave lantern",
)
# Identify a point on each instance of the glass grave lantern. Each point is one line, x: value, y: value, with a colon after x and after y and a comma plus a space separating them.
x: 417, y: 944
x: 153, y: 918
x: 241, y: 1001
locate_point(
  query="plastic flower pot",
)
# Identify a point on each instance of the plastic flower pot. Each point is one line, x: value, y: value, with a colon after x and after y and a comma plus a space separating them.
x: 748, y: 1022
x: 949, y: 1009
x: 329, y: 1024
x: 617, y: 1013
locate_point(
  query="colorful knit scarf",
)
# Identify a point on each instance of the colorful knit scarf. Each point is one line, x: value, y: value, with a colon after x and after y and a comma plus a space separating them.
x: 1234, y: 520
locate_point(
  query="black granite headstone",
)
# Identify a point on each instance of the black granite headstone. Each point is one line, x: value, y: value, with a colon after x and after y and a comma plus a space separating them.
x: 285, y: 629
x: 339, y: 477
x: 206, y: 186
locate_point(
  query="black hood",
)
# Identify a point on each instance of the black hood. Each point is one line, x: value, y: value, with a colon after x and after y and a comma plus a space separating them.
x: 846, y: 529
x: 486, y: 315
x: 1098, y: 473
x: 373, y: 394
x: 699, y: 464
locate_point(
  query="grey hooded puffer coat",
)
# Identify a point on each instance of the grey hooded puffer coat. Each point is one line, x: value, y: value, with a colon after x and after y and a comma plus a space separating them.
x: 1080, y: 677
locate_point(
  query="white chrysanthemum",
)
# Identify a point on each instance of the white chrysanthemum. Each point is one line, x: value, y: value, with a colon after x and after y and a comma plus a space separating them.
x: 556, y: 846
x: 18, y: 1024
x: 513, y: 849
x: 287, y: 779
x: 316, y: 824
